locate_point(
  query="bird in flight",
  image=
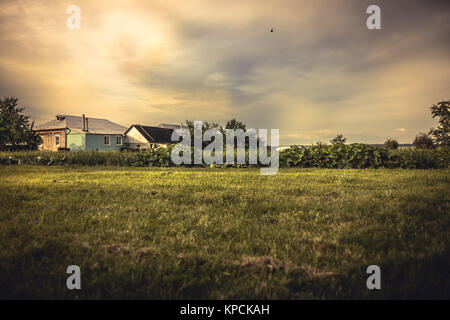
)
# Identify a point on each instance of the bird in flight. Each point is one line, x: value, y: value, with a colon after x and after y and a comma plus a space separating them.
x: 271, y: 30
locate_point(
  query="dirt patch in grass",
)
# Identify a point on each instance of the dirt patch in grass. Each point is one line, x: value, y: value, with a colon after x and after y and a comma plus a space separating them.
x: 263, y: 263
x: 331, y: 194
x: 316, y: 273
x: 270, y: 264
x: 122, y: 249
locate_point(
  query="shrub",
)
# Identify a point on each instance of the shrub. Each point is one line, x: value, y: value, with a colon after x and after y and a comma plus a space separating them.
x: 363, y: 156
x: 423, y: 141
x: 339, y: 139
x: 391, y: 144
x: 355, y: 155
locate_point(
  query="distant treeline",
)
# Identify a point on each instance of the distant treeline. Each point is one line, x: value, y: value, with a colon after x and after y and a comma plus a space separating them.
x: 316, y: 156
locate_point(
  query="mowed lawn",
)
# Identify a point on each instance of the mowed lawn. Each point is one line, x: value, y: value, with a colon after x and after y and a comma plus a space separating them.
x: 170, y: 233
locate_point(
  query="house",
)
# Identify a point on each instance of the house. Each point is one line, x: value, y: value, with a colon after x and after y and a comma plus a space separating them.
x: 80, y: 133
x: 145, y: 137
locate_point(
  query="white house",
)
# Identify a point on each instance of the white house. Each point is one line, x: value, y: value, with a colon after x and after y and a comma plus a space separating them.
x: 145, y: 137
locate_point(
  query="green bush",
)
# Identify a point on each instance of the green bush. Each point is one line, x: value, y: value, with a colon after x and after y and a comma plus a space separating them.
x: 391, y: 144
x: 333, y: 156
x: 355, y: 155
x: 363, y: 156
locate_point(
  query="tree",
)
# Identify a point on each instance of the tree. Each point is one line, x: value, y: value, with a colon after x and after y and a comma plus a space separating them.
x: 338, y: 140
x: 189, y: 125
x: 423, y: 141
x: 391, y: 144
x: 232, y: 124
x: 16, y: 130
x: 442, y: 132
x: 235, y: 124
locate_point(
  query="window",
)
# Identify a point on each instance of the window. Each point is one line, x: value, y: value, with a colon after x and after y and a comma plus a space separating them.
x: 119, y: 140
x: 57, y: 138
x: 107, y: 142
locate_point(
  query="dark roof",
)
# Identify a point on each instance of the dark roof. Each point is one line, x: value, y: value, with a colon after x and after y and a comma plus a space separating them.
x: 154, y: 134
x: 75, y: 123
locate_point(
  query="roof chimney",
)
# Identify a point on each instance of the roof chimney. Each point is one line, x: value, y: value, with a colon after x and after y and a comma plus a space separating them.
x: 84, y: 123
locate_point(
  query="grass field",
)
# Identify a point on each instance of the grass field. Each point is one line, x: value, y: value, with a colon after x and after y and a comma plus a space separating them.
x: 171, y: 233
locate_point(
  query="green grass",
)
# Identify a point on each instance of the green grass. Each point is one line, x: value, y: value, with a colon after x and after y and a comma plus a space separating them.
x: 166, y: 233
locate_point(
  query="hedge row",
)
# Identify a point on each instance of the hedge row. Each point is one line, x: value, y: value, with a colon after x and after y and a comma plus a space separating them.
x: 154, y: 157
x: 321, y: 156
x: 361, y: 156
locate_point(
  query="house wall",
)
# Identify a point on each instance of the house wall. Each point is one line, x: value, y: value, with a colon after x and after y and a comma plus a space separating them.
x: 135, y: 137
x: 135, y: 140
x: 49, y: 140
x: 76, y: 141
x: 96, y: 142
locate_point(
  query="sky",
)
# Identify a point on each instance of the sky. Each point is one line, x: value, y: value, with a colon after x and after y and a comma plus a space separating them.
x: 321, y: 72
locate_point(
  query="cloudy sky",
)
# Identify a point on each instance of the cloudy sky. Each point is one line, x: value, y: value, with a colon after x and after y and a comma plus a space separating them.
x: 321, y: 72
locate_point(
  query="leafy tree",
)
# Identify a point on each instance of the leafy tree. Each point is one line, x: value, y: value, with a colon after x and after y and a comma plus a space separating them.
x: 235, y: 124
x: 442, y: 132
x: 189, y: 125
x: 230, y: 124
x: 391, y: 144
x: 339, y: 139
x: 423, y: 141
x: 16, y: 131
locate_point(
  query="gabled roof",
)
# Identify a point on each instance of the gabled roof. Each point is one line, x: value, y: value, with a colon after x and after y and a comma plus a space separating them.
x: 75, y: 123
x: 154, y: 134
